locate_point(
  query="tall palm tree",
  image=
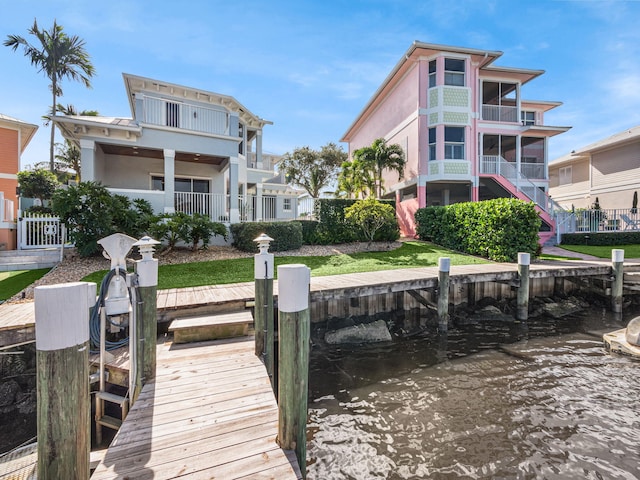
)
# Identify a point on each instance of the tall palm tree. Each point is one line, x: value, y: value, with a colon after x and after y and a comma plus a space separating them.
x: 68, y: 155
x: 381, y: 156
x: 59, y: 57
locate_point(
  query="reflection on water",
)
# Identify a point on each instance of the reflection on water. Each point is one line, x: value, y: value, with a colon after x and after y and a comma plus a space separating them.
x: 498, y: 401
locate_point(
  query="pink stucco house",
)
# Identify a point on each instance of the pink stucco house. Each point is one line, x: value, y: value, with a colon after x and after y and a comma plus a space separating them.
x: 15, y: 135
x: 467, y: 132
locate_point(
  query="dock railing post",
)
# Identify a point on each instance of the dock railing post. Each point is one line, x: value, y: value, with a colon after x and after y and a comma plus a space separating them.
x: 522, y: 308
x: 444, y: 265
x: 293, y: 359
x: 62, y: 357
x: 617, y: 264
x: 146, y: 315
x: 263, y: 308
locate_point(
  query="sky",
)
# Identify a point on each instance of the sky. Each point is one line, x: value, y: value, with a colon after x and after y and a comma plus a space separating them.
x: 311, y: 66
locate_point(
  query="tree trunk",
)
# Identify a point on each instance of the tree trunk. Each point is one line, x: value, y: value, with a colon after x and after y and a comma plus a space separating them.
x: 54, y: 86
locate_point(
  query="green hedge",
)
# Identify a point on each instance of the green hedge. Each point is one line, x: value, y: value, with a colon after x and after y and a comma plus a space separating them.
x: 333, y: 228
x: 604, y: 239
x: 309, y: 232
x: 495, y: 229
x: 286, y: 235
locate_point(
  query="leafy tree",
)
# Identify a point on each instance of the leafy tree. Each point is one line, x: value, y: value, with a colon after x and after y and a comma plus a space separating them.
x: 381, y: 156
x: 59, y: 56
x: 369, y: 216
x: 313, y: 170
x: 40, y: 184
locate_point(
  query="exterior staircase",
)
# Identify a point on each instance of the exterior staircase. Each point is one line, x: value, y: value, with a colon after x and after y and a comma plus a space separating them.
x: 11, y: 260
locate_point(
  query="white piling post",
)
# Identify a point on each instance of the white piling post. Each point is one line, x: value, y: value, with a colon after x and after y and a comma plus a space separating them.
x: 522, y: 307
x: 617, y: 265
x: 293, y: 360
x: 62, y: 356
x: 444, y: 265
x: 146, y: 324
x: 263, y: 309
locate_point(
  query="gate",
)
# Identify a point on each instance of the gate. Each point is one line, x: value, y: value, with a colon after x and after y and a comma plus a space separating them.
x: 40, y: 231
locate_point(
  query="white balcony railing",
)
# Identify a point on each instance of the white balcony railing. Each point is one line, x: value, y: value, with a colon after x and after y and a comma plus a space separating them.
x: 496, y: 165
x: 533, y: 170
x: 158, y: 111
x: 500, y: 113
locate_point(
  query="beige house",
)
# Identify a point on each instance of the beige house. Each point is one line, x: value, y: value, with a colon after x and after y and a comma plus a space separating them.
x: 608, y: 169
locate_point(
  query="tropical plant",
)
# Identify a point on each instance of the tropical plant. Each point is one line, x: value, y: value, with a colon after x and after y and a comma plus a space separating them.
x: 40, y: 184
x: 369, y: 216
x: 311, y: 169
x: 381, y: 156
x: 355, y: 180
x: 59, y: 56
x: 201, y: 229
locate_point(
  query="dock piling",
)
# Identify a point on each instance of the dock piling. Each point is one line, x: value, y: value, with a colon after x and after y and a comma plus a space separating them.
x: 146, y: 313
x: 62, y: 357
x: 444, y: 265
x: 617, y: 264
x: 522, y: 308
x: 263, y: 310
x: 293, y: 368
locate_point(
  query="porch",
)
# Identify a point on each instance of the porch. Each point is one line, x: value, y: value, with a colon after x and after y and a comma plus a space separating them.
x: 597, y: 221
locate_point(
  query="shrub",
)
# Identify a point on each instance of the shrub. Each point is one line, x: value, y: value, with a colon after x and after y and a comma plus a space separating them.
x: 309, y: 231
x: 601, y: 239
x: 286, y: 235
x: 334, y: 228
x: 90, y: 213
x: 201, y: 229
x: 369, y: 216
x: 496, y: 229
x: 40, y: 184
x: 170, y: 228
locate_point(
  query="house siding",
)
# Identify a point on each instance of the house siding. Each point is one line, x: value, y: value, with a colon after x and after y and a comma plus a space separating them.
x: 9, y: 165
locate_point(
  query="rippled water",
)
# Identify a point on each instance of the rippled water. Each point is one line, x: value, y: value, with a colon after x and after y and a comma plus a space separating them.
x: 497, y: 401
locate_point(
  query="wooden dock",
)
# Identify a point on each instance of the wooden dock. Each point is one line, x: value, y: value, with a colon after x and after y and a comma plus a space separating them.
x: 210, y: 413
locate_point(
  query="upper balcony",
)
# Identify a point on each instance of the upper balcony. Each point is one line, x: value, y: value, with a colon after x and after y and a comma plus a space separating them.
x: 185, y: 116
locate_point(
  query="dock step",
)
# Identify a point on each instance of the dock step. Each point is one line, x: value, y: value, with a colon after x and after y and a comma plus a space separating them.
x: 113, y: 398
x: 211, y: 327
x: 110, y: 422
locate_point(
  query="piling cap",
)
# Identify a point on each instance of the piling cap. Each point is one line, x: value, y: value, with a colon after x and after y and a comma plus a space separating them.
x: 145, y: 245
x: 632, y: 335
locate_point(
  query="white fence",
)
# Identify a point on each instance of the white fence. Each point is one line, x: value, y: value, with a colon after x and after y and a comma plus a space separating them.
x: 594, y: 221
x: 40, y: 231
x: 6, y: 209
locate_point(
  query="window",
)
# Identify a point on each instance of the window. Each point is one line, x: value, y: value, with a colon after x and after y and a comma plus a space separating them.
x: 564, y: 174
x: 286, y: 204
x: 432, y: 73
x: 432, y: 143
x: 454, y: 143
x: 454, y: 72
x: 173, y: 114
x: 182, y: 184
x: 528, y: 118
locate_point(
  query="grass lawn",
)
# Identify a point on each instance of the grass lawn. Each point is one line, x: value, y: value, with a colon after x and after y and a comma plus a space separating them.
x: 630, y: 251
x: 216, y: 272
x: 12, y: 282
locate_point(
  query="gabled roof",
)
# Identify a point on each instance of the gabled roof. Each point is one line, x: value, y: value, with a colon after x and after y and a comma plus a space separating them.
x: 73, y: 126
x: 627, y: 136
x: 27, y: 130
x: 135, y: 84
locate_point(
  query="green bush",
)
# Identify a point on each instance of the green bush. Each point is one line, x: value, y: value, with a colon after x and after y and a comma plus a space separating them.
x: 334, y: 228
x: 201, y: 229
x: 309, y: 231
x: 601, y: 239
x: 286, y: 235
x: 495, y: 229
x: 370, y: 216
x: 90, y: 213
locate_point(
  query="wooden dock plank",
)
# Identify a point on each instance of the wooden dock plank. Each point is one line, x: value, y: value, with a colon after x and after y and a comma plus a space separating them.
x: 221, y: 426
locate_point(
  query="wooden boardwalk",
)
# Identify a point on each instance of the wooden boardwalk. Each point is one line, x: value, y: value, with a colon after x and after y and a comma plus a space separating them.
x: 210, y: 413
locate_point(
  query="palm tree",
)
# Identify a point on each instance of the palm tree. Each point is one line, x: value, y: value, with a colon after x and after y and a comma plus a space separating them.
x: 381, y: 156
x: 58, y: 56
x: 355, y: 180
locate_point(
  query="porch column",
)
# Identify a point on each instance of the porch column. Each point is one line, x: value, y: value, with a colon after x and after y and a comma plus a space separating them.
x: 234, y: 211
x: 518, y: 104
x: 422, y: 191
x: 518, y: 160
x: 259, y: 149
x: 169, y: 180
x: 87, y: 160
x: 258, y: 202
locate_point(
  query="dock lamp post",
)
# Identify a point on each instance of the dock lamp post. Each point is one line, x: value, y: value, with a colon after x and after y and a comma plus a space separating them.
x: 263, y: 309
x: 146, y: 324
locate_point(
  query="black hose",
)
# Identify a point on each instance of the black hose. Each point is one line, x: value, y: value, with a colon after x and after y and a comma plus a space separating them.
x: 94, y: 321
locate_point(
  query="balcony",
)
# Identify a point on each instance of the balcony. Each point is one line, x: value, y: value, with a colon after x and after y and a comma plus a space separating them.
x: 500, y: 113
x: 158, y: 111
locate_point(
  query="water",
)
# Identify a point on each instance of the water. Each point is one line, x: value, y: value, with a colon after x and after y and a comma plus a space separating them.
x: 497, y: 401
